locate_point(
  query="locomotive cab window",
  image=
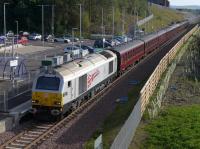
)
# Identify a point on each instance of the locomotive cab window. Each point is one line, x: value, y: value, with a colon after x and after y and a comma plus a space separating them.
x: 110, y: 67
x: 48, y: 83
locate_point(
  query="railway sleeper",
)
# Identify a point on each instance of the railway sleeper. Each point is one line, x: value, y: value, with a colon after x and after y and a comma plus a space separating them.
x: 11, y: 147
x: 23, y: 141
x: 27, y: 138
x: 40, y: 130
x: 42, y: 127
x: 31, y: 135
x: 35, y: 132
x: 17, y: 144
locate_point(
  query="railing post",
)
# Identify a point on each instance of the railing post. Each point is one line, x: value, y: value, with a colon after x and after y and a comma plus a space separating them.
x: 5, y: 101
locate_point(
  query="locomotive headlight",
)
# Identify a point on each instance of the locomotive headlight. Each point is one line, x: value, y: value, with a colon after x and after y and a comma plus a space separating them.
x: 57, y: 103
x: 35, y: 101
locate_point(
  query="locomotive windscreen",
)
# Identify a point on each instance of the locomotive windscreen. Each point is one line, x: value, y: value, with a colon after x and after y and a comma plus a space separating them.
x: 48, y: 83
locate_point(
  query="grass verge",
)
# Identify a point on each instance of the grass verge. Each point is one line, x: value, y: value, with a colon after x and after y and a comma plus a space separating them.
x: 176, y: 127
x: 163, y: 17
x: 115, y: 121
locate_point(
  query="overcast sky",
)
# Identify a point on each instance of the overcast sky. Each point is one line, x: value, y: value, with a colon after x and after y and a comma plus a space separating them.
x: 184, y: 2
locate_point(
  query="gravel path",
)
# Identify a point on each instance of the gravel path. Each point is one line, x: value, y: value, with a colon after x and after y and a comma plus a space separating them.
x: 86, y: 123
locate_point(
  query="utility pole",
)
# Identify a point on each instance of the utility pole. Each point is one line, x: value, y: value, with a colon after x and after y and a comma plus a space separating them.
x: 5, y: 17
x: 123, y: 20
x: 102, y: 25
x: 43, y: 22
x: 113, y: 30
x: 145, y: 23
x: 73, y: 36
x: 52, y: 23
x: 17, y: 32
x: 80, y: 6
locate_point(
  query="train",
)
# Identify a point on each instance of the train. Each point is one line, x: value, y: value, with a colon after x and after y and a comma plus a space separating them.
x: 66, y: 87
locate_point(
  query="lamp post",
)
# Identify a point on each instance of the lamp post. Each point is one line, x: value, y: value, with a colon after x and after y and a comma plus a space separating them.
x: 43, y: 22
x: 113, y: 19
x: 73, y: 36
x: 80, y: 6
x: 17, y: 31
x: 5, y: 17
x: 52, y: 21
x: 73, y: 40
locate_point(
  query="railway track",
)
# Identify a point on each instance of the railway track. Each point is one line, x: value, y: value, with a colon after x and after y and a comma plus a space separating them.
x: 39, y: 132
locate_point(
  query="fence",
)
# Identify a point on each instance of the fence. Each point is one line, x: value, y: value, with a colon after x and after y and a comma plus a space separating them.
x: 14, y: 91
x: 124, y: 137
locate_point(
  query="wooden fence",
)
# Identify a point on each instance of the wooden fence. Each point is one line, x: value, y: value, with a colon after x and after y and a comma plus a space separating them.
x: 152, y: 82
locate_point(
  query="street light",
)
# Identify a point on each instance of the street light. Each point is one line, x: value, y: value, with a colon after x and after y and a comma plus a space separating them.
x: 43, y: 22
x: 17, y: 31
x: 80, y: 5
x: 73, y: 36
x: 5, y: 17
x: 113, y: 19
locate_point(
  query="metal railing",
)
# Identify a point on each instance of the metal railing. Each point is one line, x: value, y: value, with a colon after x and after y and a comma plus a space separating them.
x: 18, y: 89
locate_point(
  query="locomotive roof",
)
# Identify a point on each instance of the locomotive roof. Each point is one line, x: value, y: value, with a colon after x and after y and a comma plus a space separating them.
x: 82, y: 64
x: 127, y: 46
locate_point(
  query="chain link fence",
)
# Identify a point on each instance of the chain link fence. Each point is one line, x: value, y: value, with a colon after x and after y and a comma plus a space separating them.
x: 16, y: 91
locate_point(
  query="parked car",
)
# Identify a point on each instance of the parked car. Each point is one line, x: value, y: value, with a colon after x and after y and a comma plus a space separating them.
x: 59, y: 39
x: 113, y: 42
x: 2, y: 39
x: 89, y: 48
x: 23, y: 40
x: 69, y: 37
x: 100, y: 44
x: 35, y: 36
x: 121, y: 39
x: 25, y: 34
x: 66, y: 39
x: 49, y: 38
x: 69, y: 48
x: 10, y: 33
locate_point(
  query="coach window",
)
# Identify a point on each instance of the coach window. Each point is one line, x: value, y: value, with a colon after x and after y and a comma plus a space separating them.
x: 69, y: 84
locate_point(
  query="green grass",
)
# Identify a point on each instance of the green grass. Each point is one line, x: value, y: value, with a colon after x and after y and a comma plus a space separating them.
x: 115, y: 121
x: 162, y: 18
x: 175, y: 128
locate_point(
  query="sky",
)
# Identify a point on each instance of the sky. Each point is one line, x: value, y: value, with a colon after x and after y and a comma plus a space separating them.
x: 184, y: 2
